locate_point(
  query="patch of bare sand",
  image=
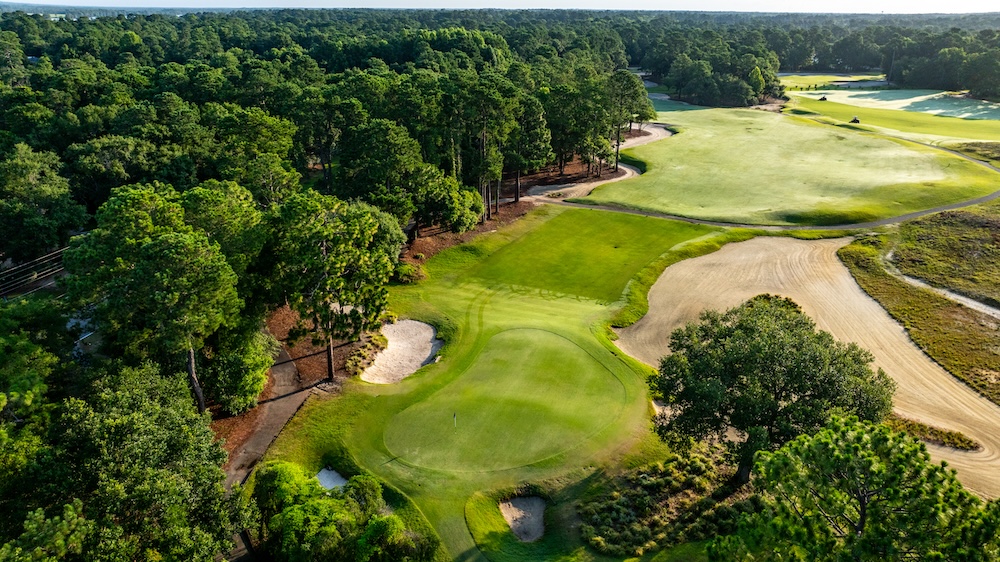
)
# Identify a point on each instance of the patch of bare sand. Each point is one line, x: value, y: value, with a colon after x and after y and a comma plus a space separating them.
x: 526, y: 517
x: 411, y: 345
x: 810, y: 273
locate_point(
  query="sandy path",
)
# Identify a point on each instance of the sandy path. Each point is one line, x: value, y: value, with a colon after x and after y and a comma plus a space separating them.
x: 526, y: 517
x: 541, y: 193
x: 411, y: 345
x: 810, y: 273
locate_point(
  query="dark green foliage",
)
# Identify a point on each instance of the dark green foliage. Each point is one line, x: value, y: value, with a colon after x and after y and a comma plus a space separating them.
x: 302, y: 521
x: 860, y: 491
x: 763, y: 369
x: 36, y: 210
x: 682, y: 499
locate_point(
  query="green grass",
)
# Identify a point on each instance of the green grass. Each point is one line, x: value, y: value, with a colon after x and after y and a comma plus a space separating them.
x: 960, y: 339
x: 590, y: 254
x: 800, y: 81
x: 935, y: 102
x: 754, y: 167
x: 541, y: 393
x: 529, y: 395
x: 920, y: 126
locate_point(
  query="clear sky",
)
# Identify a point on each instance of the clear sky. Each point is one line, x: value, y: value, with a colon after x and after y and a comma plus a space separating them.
x: 824, y: 6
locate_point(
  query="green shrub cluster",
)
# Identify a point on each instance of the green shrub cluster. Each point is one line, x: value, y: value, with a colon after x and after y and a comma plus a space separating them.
x: 363, y: 357
x: 675, y: 501
x: 302, y: 521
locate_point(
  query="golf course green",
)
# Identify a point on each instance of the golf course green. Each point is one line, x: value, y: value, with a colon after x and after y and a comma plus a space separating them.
x: 757, y: 167
x: 802, y: 81
x: 529, y: 387
x: 521, y: 374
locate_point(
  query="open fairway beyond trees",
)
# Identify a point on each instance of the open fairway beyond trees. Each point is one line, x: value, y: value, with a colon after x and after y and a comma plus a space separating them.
x: 755, y: 167
x: 529, y: 388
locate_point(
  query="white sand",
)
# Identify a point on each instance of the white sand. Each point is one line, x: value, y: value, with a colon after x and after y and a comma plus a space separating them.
x: 412, y: 345
x: 331, y: 479
x: 526, y: 517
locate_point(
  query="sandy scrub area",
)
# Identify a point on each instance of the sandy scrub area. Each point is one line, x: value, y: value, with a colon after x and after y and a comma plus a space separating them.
x: 657, y: 131
x: 526, y: 517
x: 810, y: 273
x: 411, y: 345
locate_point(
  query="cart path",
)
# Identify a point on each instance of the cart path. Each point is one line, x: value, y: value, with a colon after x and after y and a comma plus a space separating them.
x: 810, y: 273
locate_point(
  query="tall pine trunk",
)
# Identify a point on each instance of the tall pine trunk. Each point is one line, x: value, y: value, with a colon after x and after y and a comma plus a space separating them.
x: 517, y: 185
x: 329, y: 357
x: 195, y: 385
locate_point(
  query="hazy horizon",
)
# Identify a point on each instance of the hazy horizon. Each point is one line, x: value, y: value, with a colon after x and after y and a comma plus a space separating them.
x: 803, y: 6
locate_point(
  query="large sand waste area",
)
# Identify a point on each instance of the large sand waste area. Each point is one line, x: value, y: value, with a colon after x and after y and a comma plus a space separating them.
x: 810, y: 273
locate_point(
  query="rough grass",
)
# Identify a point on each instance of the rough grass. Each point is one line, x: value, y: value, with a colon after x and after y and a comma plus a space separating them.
x: 931, y: 434
x: 961, y: 340
x: 956, y: 250
x: 755, y: 167
x: 925, y: 125
x: 985, y: 151
x: 591, y: 254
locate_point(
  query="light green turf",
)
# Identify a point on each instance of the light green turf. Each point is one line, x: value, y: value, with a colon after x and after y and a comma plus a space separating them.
x: 530, y: 394
x: 591, y: 254
x: 934, y: 102
x: 920, y: 126
x: 800, y: 81
x: 755, y: 167
x: 541, y: 394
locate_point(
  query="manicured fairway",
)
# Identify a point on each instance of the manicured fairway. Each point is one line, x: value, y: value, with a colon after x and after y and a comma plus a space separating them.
x: 530, y: 394
x: 588, y: 253
x: 935, y: 102
x: 923, y: 125
x: 745, y: 166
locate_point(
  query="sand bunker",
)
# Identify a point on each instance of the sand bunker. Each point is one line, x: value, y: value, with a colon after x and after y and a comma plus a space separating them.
x: 810, y: 273
x: 526, y: 517
x: 412, y: 345
x: 330, y: 479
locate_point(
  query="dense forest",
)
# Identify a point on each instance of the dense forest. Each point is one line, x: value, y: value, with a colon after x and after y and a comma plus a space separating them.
x: 195, y: 172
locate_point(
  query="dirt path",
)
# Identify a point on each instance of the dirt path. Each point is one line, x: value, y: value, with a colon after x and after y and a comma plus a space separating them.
x: 810, y: 273
x: 547, y: 193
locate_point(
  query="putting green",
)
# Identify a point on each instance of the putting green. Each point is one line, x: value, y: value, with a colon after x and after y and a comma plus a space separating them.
x: 529, y: 395
x: 745, y: 166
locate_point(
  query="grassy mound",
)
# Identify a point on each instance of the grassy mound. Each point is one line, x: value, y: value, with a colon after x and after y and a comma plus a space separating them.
x: 755, y: 167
